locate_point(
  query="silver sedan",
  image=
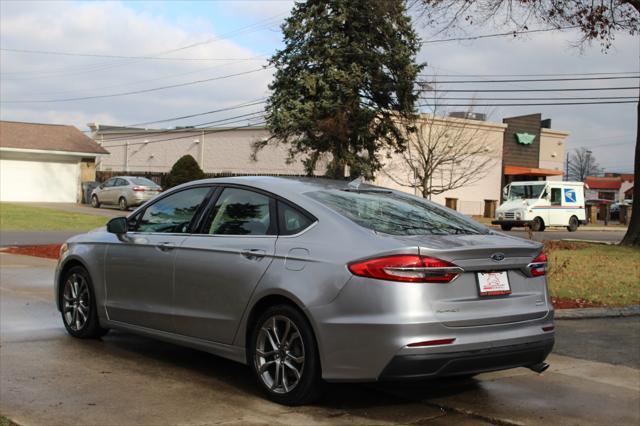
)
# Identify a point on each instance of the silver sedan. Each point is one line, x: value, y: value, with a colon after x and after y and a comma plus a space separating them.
x: 310, y: 280
x: 125, y: 192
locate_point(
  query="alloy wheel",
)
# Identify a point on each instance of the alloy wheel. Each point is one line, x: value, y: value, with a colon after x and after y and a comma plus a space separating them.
x: 76, y: 302
x: 279, y: 354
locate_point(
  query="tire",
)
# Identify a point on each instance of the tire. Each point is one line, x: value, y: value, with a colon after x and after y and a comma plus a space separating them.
x: 506, y: 227
x: 95, y: 203
x: 301, y: 382
x: 78, y: 302
x: 573, y: 224
x: 122, y: 203
x: 537, y: 225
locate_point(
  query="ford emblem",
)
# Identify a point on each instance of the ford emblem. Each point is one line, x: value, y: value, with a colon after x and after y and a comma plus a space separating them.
x: 497, y: 257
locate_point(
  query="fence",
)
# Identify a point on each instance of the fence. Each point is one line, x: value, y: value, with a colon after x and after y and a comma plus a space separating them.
x: 159, y: 177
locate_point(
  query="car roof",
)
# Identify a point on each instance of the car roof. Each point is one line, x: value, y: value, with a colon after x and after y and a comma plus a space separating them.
x: 290, y: 188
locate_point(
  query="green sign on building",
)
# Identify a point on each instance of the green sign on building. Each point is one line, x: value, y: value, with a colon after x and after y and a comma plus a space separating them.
x: 525, y: 138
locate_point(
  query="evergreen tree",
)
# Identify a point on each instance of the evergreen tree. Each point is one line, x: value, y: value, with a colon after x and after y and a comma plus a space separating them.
x: 184, y: 170
x: 344, y: 84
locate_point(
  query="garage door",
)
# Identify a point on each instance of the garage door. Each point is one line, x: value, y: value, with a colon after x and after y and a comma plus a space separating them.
x: 39, y: 180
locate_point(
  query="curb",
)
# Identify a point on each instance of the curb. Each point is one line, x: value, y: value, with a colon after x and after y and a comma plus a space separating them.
x: 589, y: 313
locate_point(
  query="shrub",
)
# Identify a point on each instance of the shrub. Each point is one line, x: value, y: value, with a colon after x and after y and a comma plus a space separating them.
x: 184, y: 170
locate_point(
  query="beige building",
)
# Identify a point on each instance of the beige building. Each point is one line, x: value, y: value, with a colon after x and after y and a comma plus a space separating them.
x: 228, y: 151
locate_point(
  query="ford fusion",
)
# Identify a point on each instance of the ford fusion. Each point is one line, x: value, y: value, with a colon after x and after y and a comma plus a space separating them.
x: 312, y: 280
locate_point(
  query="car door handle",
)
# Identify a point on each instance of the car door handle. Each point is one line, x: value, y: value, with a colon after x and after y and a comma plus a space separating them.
x: 166, y: 246
x: 253, y: 254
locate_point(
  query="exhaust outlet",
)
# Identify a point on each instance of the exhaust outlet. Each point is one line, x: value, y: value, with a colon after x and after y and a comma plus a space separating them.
x: 539, y: 368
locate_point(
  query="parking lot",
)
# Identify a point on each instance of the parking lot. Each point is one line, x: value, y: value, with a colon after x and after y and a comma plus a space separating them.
x: 48, y: 377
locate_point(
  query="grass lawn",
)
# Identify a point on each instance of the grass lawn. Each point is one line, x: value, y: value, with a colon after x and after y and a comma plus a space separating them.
x: 26, y: 218
x: 5, y: 421
x: 594, y: 273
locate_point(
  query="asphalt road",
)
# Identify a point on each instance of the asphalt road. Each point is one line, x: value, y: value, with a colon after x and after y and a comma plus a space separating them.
x: 47, y: 377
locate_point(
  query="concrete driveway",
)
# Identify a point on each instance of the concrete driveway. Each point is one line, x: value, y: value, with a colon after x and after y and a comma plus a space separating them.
x: 47, y: 377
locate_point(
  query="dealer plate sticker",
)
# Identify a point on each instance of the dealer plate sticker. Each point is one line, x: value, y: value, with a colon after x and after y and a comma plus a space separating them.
x: 493, y: 283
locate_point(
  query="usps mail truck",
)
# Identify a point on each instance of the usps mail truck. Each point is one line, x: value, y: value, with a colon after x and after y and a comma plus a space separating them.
x: 538, y: 204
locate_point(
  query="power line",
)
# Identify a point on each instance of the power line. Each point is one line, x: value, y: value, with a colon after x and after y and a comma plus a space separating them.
x: 132, y: 83
x: 205, y: 132
x: 157, y: 58
x: 238, y: 106
x: 447, y: 98
x: 536, y: 90
x: 111, y: 64
x: 529, y: 104
x: 530, y: 75
x: 510, y: 33
x: 535, y: 80
x: 137, y: 92
x: 159, y: 132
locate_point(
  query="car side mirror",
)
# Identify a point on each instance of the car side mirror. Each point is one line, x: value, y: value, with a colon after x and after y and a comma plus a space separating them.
x: 101, y: 186
x: 118, y: 225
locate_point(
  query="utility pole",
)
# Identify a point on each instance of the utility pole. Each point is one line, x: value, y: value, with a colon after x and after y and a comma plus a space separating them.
x: 566, y: 168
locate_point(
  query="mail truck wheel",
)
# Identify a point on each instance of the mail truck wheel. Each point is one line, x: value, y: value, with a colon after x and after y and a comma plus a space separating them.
x: 537, y: 225
x: 506, y: 227
x: 573, y: 224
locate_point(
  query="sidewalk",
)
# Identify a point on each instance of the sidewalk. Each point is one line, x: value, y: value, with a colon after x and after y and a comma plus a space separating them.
x: 28, y: 238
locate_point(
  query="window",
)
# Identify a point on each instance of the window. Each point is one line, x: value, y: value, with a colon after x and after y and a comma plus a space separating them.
x: 142, y: 181
x: 241, y: 212
x: 395, y: 214
x: 518, y: 192
x: 121, y: 182
x: 173, y: 214
x: 556, y: 196
x: 291, y: 219
x: 111, y: 182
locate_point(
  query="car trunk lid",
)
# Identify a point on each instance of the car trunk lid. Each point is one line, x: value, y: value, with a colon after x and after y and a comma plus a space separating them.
x: 459, y: 303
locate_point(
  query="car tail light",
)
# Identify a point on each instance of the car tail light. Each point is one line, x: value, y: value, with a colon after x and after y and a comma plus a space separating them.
x: 406, y: 268
x: 432, y: 343
x: 139, y: 189
x: 538, y: 266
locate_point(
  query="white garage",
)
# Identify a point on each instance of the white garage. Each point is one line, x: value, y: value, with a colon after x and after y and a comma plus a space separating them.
x: 43, y: 163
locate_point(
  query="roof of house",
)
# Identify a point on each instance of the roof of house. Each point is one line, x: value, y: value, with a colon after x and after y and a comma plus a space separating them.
x: 603, y: 182
x: 46, y: 137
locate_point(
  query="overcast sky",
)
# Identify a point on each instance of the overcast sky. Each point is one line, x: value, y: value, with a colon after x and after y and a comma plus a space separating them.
x: 236, y: 37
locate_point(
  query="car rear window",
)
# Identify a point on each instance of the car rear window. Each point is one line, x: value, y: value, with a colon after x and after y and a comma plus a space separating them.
x: 395, y: 214
x: 142, y: 181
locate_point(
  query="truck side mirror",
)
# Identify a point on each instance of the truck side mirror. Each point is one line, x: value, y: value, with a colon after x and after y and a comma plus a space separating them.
x: 505, y: 191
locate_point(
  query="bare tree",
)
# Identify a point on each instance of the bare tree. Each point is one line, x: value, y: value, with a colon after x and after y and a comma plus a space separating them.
x: 446, y: 153
x: 597, y: 20
x: 582, y: 164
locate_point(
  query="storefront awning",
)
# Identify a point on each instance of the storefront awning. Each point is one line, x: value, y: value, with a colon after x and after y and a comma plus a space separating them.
x: 530, y: 171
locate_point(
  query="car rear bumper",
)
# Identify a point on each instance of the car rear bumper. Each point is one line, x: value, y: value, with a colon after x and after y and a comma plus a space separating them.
x: 427, y: 366
x: 511, y: 222
x: 372, y: 331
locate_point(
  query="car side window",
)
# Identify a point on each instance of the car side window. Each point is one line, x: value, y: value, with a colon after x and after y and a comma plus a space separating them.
x: 291, y: 220
x: 121, y: 182
x: 173, y: 213
x: 241, y: 212
x: 556, y: 196
x: 109, y: 183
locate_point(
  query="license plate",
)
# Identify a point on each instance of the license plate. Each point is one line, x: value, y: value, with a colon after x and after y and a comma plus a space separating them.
x: 493, y: 283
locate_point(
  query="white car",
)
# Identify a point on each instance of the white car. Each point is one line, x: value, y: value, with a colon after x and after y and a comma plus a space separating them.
x: 125, y: 192
x: 538, y: 204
